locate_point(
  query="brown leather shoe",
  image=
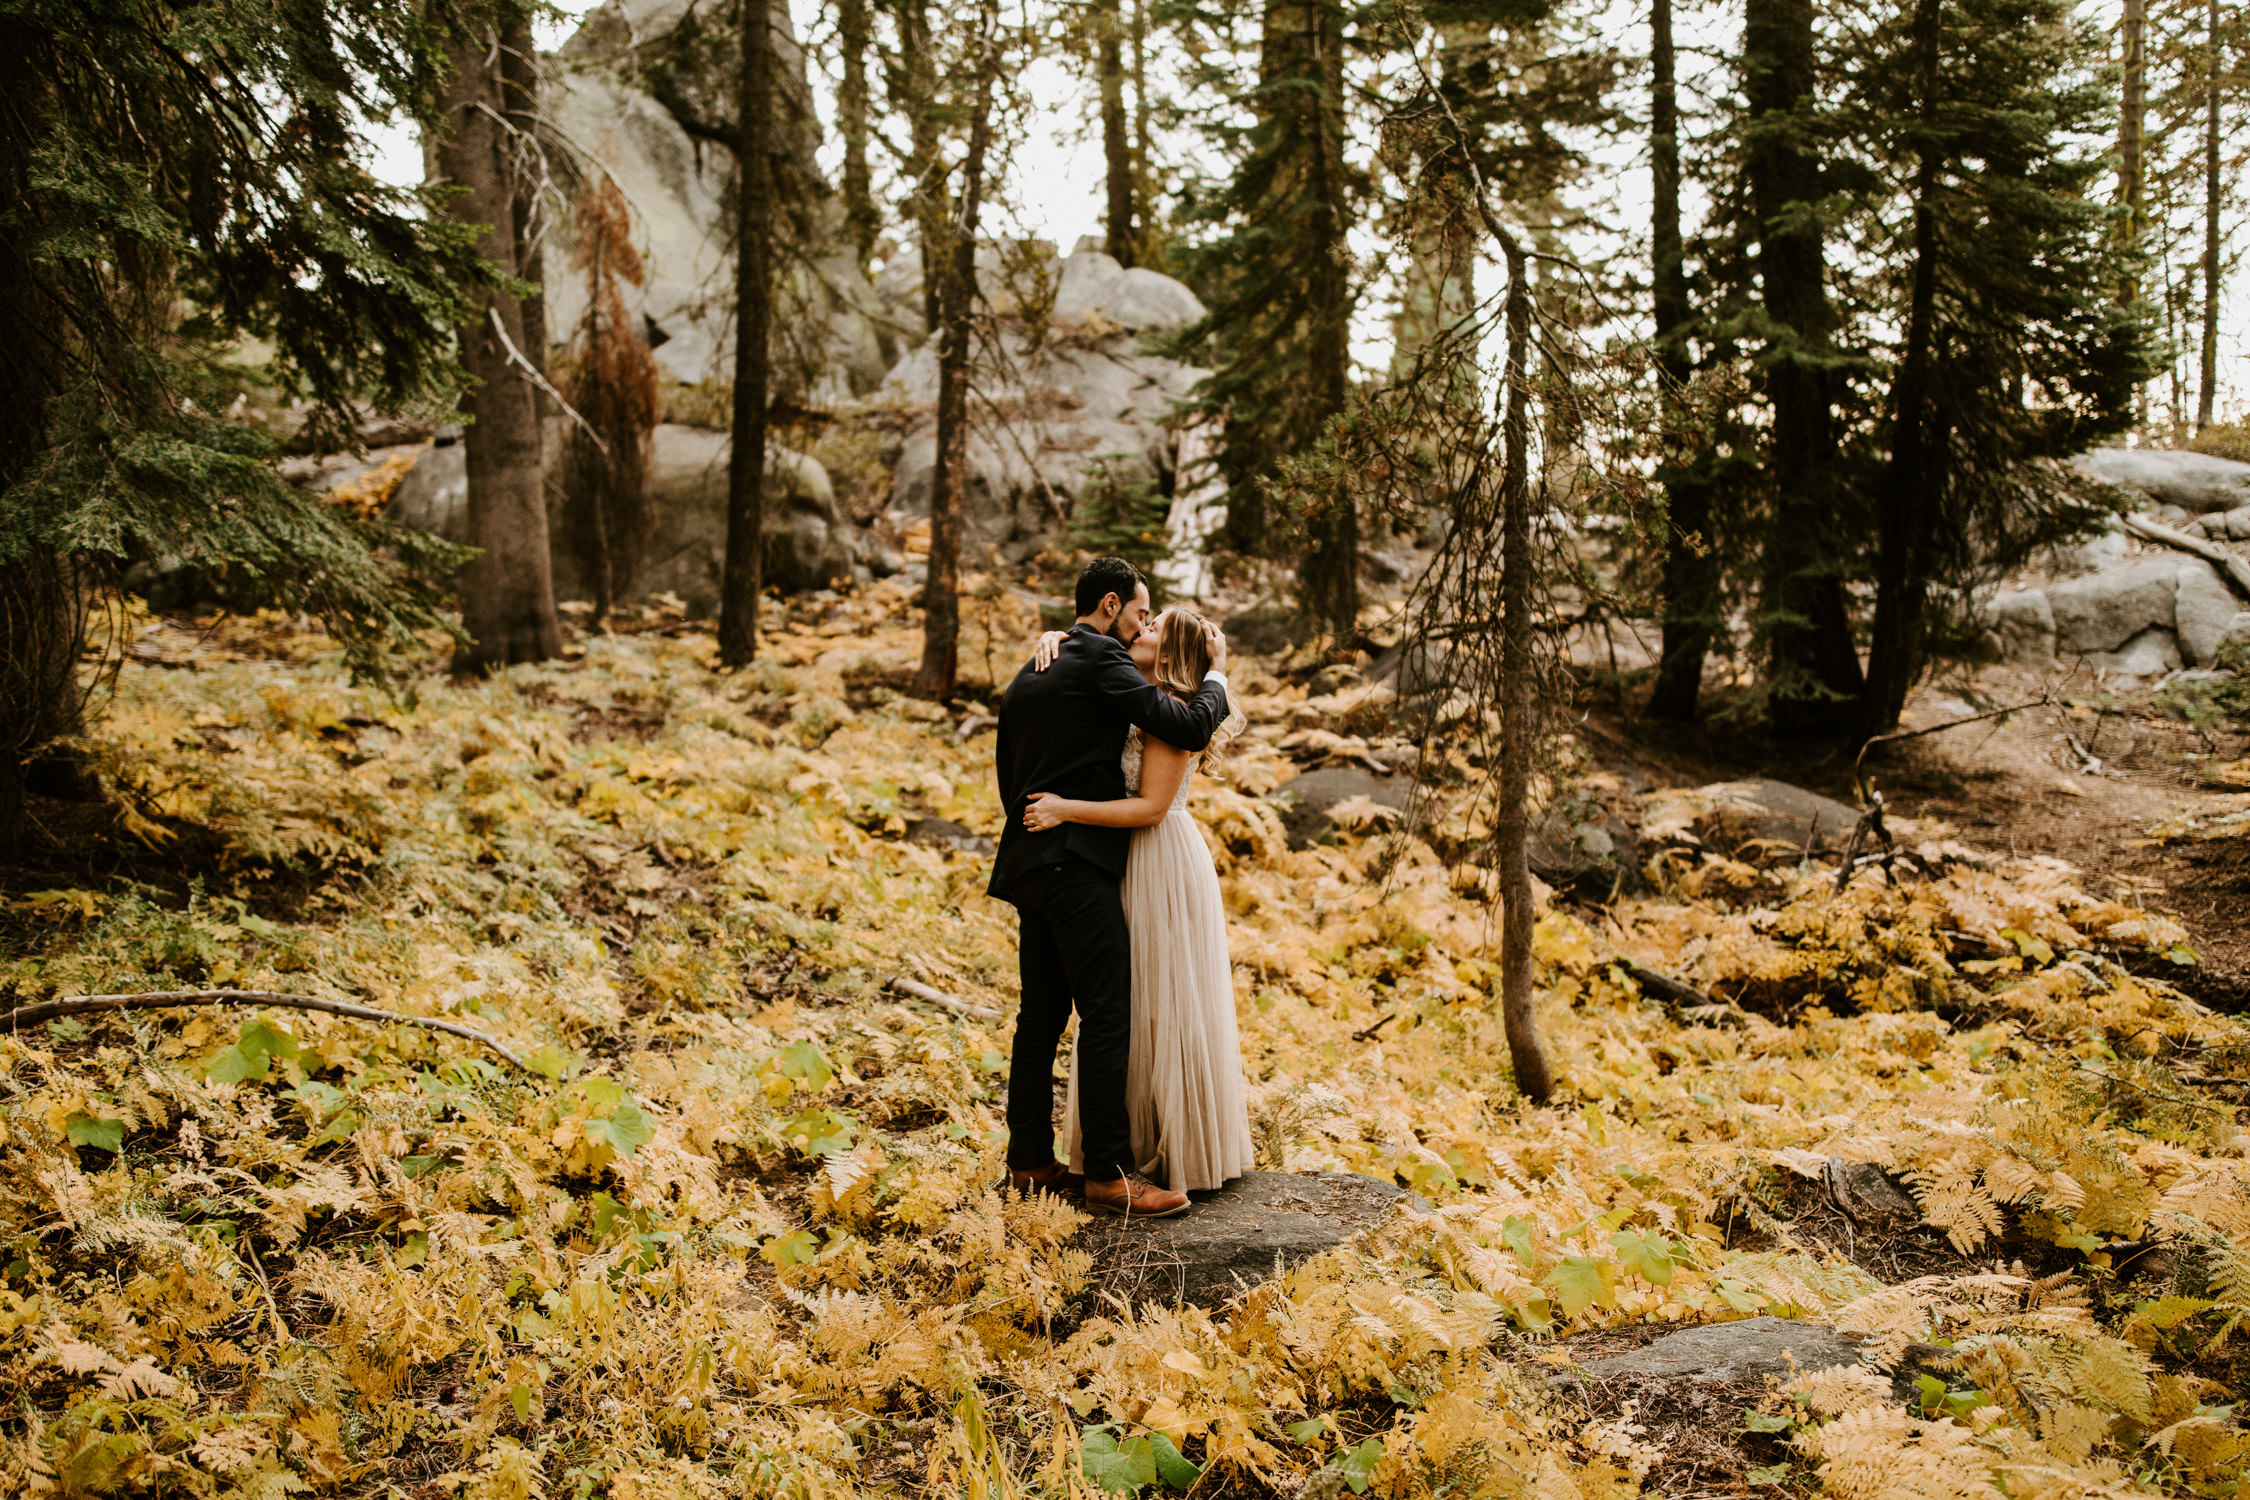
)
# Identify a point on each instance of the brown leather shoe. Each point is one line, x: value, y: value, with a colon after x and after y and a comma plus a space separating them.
x: 1134, y: 1198
x: 1052, y: 1178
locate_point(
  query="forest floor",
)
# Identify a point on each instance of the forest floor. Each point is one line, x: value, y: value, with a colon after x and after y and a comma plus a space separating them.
x: 2108, y: 782
x: 732, y: 1230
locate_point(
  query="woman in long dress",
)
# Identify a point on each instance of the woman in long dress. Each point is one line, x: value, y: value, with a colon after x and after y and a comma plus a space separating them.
x: 1184, y: 1088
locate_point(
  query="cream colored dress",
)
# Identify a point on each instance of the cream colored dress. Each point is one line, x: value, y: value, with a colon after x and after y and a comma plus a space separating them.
x: 1183, y: 1082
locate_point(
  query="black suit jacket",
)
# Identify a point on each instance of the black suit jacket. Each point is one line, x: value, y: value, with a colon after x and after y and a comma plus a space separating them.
x: 1063, y: 731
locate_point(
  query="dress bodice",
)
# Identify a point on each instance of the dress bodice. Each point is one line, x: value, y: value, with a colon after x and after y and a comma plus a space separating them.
x: 1131, y: 763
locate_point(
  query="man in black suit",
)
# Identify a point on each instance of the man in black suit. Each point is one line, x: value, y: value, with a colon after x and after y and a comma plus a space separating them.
x: 1063, y: 731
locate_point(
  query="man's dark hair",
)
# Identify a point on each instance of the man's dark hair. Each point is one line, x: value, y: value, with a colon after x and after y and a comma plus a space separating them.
x: 1103, y: 576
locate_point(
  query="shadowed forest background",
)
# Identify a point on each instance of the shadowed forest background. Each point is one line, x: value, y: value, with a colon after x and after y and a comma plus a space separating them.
x: 1734, y: 527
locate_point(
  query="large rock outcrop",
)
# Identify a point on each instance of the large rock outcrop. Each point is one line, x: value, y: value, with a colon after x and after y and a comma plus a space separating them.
x: 2147, y: 616
x: 830, y: 339
x: 807, y: 545
x: 2193, y: 481
x: 1066, y: 400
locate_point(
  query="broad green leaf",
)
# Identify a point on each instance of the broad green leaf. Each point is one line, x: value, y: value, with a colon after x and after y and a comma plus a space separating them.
x: 549, y: 1061
x: 1358, y: 1466
x: 1647, y: 1255
x: 600, y: 1094
x: 803, y: 1060
x: 1119, y: 1468
x: 796, y: 1248
x: 1307, y: 1430
x: 819, y: 1132
x: 625, y: 1131
x: 1580, y: 1282
x: 1515, y: 1233
x: 91, y: 1130
x: 520, y: 1397
x: 1172, y: 1466
x: 607, y: 1211
x: 1738, y: 1295
x: 2030, y: 947
x: 341, y: 1126
x: 233, y: 1065
x: 1758, y: 1421
x: 1773, y: 1475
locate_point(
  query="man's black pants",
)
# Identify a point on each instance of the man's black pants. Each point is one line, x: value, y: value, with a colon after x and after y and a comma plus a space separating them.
x: 1074, y: 946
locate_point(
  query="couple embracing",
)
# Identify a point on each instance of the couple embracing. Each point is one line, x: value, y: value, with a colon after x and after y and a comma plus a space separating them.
x: 1121, y: 916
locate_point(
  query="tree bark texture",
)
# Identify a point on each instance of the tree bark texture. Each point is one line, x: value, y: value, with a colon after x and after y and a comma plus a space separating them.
x: 913, y: 87
x: 743, y: 580
x: 2132, y: 117
x: 941, y: 593
x: 1121, y: 232
x: 1691, y: 569
x: 1808, y: 628
x: 1526, y: 1056
x: 1305, y: 45
x: 1915, y: 474
x: 853, y: 39
x: 519, y: 87
x: 2206, y: 393
x: 507, y: 592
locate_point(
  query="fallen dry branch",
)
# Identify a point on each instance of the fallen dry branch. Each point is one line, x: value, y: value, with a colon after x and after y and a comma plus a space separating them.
x: 2042, y: 701
x: 2236, y: 570
x: 74, y: 1005
x: 1684, y: 997
x: 921, y: 991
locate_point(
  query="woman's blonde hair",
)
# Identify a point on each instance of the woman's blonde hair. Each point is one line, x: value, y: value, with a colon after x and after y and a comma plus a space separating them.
x: 1183, y: 655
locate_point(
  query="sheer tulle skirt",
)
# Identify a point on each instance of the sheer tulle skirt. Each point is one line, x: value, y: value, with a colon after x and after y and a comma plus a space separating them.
x: 1183, y: 1090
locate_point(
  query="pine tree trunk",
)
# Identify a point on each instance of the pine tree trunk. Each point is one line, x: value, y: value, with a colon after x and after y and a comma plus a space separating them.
x: 1121, y: 232
x: 2131, y: 125
x: 1914, y: 475
x: 1808, y: 628
x: 941, y: 593
x: 1527, y: 1058
x: 507, y: 592
x: 914, y: 95
x: 852, y: 38
x: 1691, y: 568
x: 519, y: 86
x: 1329, y: 574
x: 2206, y: 394
x: 743, y: 580
x: 1138, y: 35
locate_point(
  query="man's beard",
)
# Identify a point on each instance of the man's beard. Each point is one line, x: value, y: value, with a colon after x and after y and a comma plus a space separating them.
x: 1116, y: 632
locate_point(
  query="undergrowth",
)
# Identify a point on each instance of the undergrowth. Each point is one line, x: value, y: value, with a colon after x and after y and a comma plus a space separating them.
x: 736, y: 1232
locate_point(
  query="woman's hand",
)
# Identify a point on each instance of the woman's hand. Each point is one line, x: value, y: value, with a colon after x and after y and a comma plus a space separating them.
x: 1045, y: 811
x: 1043, y: 654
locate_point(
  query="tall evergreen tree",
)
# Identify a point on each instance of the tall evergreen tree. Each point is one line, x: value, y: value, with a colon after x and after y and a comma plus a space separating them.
x: 1120, y: 172
x: 172, y: 177
x: 854, y: 39
x: 1691, y: 566
x: 2011, y: 350
x: 1276, y: 278
x: 1807, y: 626
x: 953, y: 268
